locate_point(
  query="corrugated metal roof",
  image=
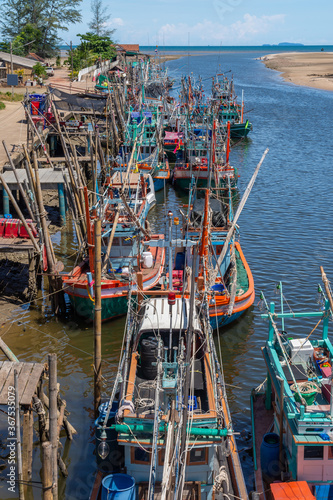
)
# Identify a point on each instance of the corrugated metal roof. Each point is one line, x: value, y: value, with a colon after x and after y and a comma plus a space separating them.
x: 20, y: 61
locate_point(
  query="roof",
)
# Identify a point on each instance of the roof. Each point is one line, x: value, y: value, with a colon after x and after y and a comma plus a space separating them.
x: 157, y: 315
x: 130, y: 47
x: 35, y: 57
x: 291, y: 491
x: 20, y: 61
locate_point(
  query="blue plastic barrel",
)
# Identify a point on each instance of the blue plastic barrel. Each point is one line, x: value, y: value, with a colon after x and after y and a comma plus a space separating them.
x: 269, y: 456
x: 118, y: 487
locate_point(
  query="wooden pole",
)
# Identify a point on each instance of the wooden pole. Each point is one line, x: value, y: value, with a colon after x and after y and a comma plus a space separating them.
x: 98, y: 317
x: 29, y: 168
x: 19, y: 185
x: 47, y: 470
x: 93, y: 172
x: 28, y: 422
x: 281, y: 422
x: 327, y: 286
x: 139, y: 278
x: 89, y: 235
x: 42, y: 214
x: 19, y: 213
x: 111, y: 238
x: 18, y: 438
x: 53, y: 421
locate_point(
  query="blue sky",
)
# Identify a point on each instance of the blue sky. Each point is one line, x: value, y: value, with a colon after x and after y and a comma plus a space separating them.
x: 215, y: 22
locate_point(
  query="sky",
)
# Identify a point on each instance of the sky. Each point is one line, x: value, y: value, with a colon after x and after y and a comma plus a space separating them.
x: 214, y: 22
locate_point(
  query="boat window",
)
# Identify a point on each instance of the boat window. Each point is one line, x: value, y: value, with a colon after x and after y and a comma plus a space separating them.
x: 140, y: 456
x: 330, y: 452
x: 313, y: 452
x: 116, y: 241
x: 127, y: 241
x: 198, y: 456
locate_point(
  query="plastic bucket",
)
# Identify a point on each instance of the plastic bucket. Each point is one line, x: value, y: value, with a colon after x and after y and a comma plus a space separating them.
x: 269, y: 456
x: 118, y: 487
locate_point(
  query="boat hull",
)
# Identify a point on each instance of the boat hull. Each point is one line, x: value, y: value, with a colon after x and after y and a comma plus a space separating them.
x: 240, y: 130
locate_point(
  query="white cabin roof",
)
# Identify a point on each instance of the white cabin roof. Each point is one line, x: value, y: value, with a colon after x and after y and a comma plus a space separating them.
x: 157, y: 315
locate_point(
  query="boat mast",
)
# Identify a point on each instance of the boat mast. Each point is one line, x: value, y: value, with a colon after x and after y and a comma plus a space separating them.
x: 182, y: 457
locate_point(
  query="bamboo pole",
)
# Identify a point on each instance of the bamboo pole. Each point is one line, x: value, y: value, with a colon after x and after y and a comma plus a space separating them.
x: 97, y: 319
x: 108, y: 250
x: 19, y: 213
x: 40, y: 140
x: 18, y: 438
x: 89, y: 235
x: 24, y: 196
x: 29, y: 168
x: 93, y: 171
x: 42, y: 213
x: 53, y: 422
x: 47, y: 470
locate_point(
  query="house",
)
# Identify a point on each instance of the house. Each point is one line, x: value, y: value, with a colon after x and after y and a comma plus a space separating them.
x: 19, y: 63
x: 36, y: 58
x: 128, y: 49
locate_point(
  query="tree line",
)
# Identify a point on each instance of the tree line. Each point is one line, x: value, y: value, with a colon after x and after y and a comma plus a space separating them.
x: 34, y: 25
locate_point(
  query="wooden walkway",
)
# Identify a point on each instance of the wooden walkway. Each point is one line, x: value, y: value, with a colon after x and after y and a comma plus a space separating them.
x: 29, y: 375
x: 49, y: 178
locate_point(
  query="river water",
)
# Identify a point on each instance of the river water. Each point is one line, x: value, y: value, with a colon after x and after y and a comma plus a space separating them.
x: 285, y: 232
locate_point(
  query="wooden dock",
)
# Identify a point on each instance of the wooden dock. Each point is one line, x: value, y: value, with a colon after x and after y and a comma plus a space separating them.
x: 29, y: 375
x: 49, y: 178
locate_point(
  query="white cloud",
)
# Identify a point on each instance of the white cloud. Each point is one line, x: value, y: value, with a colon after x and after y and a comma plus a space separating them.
x: 117, y: 21
x: 208, y: 32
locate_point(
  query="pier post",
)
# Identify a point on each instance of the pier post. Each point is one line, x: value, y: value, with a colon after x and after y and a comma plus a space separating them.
x: 53, y: 421
x: 62, y: 205
x: 97, y: 318
x: 5, y: 202
x: 47, y: 470
x: 28, y: 422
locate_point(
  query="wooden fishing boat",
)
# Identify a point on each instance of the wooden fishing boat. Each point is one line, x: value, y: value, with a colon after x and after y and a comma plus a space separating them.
x: 169, y: 358
x: 292, y: 420
x: 117, y: 281
x: 173, y: 142
x: 123, y: 210
x: 231, y: 291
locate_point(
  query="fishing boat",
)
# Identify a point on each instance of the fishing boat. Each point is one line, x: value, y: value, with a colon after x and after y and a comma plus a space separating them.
x: 157, y: 165
x: 292, y: 419
x: 224, y: 269
x: 168, y: 449
x: 206, y: 159
x: 123, y: 210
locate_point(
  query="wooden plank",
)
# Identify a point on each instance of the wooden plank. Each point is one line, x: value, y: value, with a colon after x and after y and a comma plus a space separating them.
x: 23, y: 378
x: 31, y: 386
x: 9, y: 382
x: 4, y: 370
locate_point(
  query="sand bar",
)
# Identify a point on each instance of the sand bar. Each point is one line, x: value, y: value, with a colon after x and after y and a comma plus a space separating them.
x: 310, y: 69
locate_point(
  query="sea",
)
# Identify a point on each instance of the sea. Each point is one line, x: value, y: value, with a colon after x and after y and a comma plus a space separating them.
x: 285, y: 231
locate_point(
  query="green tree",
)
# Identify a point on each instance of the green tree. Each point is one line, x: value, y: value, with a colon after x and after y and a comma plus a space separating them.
x: 39, y: 70
x: 13, y: 17
x: 100, y: 17
x: 42, y: 18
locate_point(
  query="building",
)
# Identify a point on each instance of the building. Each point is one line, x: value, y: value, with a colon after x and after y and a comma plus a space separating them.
x: 19, y: 63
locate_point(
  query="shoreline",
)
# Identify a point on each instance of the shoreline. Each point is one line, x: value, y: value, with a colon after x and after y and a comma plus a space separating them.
x: 307, y: 69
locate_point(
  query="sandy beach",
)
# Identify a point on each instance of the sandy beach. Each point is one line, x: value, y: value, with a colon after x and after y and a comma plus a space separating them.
x: 310, y: 69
